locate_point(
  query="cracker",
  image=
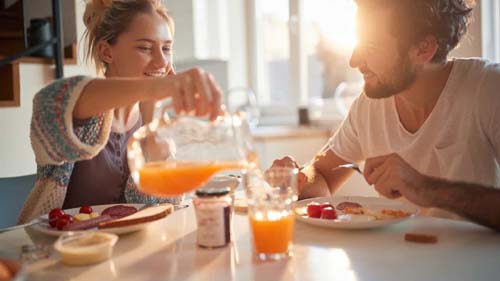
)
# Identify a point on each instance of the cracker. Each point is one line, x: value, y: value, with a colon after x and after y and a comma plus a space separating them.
x: 421, y: 238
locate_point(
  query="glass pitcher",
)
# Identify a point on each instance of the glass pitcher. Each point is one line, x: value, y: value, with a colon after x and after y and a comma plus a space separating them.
x: 175, y: 155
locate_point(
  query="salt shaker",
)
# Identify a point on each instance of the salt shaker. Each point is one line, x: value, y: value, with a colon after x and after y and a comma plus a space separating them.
x: 214, y: 215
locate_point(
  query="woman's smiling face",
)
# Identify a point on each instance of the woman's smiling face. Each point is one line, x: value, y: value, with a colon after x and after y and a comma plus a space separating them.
x: 144, y: 49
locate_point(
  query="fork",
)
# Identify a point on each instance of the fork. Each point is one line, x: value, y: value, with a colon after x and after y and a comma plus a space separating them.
x: 353, y: 166
x: 356, y: 168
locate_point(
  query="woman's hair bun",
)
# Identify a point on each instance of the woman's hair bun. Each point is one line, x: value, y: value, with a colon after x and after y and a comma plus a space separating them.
x: 94, y: 12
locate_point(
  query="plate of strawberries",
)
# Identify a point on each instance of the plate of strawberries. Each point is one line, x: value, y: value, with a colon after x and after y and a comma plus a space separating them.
x: 86, y: 217
x: 353, y: 212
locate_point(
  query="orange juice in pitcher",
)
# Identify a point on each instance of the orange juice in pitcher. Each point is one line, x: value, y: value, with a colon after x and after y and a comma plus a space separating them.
x: 170, y: 157
x: 177, y: 178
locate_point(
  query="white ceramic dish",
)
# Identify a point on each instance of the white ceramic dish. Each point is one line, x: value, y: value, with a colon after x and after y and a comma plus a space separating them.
x: 47, y: 229
x: 84, y: 248
x: 371, y: 203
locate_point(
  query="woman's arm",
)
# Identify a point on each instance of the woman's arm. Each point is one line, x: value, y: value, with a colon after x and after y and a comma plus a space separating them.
x: 147, y: 109
x: 191, y: 91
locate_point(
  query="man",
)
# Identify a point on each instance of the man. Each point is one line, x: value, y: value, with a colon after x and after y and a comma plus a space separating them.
x: 424, y: 124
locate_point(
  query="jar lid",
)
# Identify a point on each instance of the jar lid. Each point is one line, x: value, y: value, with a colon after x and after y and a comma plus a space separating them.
x: 212, y: 192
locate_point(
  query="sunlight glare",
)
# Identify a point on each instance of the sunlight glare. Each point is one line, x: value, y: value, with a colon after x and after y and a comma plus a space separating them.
x: 334, y: 263
x: 336, y: 20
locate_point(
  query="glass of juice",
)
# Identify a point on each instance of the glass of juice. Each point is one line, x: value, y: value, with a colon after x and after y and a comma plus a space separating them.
x: 270, y: 196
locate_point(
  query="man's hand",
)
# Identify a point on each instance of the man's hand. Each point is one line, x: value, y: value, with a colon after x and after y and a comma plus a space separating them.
x: 289, y: 162
x: 393, y: 177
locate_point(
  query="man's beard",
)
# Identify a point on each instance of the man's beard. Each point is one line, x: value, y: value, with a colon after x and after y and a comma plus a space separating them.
x: 400, y: 78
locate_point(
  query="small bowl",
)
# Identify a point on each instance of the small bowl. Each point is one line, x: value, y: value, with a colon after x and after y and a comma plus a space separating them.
x: 83, y: 248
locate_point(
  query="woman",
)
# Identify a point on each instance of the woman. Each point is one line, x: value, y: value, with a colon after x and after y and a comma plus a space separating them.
x: 80, y: 126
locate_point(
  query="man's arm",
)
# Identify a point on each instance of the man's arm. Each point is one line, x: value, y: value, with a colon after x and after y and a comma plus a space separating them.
x: 322, y: 180
x: 393, y: 177
x: 472, y: 201
x: 319, y: 179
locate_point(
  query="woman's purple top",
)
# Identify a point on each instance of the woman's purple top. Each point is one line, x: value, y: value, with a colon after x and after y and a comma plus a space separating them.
x: 102, y: 179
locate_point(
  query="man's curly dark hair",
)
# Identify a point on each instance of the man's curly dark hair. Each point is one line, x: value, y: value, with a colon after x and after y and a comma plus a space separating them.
x: 413, y: 20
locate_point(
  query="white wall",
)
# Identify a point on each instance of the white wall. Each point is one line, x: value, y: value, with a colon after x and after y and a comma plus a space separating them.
x: 16, y: 155
x: 471, y: 45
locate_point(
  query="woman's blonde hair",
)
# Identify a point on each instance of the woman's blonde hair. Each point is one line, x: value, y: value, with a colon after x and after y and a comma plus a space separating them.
x: 107, y: 19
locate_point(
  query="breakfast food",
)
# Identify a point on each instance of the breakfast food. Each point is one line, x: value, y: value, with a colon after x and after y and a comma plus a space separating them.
x: 240, y: 206
x: 8, y: 269
x: 54, y: 216
x: 145, y: 215
x: 354, y: 211
x: 351, y: 208
x: 328, y: 213
x: 4, y: 272
x: 394, y: 213
x: 421, y: 238
x: 348, y: 212
x: 119, y: 211
x: 324, y: 211
x: 83, y: 216
x: 83, y: 248
x: 86, y: 217
x: 63, y: 221
x: 314, y: 210
x: 87, y: 224
x: 86, y: 209
x: 349, y: 205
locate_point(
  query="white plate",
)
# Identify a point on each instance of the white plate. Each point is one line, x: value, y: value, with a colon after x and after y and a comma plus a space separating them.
x: 371, y: 203
x: 47, y: 229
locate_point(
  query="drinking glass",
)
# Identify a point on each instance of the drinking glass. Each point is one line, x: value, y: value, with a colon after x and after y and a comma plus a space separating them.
x: 244, y: 100
x: 270, y: 196
x: 175, y: 155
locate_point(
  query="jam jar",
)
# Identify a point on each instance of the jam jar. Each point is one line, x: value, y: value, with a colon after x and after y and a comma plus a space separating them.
x: 213, y: 207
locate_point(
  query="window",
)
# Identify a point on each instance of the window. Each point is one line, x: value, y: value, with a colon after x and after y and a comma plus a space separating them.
x: 302, y: 51
x: 273, y: 51
x: 490, y: 21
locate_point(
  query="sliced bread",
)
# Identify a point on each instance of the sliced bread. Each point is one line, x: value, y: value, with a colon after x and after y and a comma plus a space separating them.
x: 145, y: 215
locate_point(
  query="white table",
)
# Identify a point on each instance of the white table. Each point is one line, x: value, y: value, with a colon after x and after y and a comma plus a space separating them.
x: 167, y: 251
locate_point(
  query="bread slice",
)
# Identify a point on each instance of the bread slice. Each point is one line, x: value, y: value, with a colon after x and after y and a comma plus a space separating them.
x: 421, y: 238
x: 240, y: 206
x: 145, y: 215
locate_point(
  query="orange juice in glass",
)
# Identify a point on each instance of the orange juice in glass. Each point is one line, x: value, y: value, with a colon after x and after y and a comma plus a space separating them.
x: 272, y: 232
x: 270, y: 197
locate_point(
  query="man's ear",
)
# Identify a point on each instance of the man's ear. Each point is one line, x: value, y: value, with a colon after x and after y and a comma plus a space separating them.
x: 104, y: 52
x: 424, y: 51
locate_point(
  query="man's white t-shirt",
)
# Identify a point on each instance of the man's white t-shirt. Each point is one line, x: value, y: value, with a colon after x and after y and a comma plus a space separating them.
x: 459, y: 141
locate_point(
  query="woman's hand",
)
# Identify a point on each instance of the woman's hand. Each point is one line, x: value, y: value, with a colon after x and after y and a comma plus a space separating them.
x: 193, y: 92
